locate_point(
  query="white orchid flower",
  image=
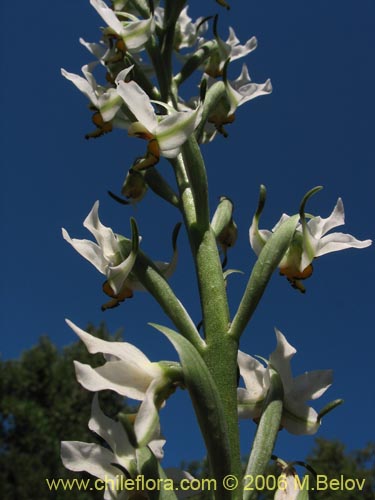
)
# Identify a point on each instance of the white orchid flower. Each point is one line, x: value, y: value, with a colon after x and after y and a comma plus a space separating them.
x: 133, y: 32
x: 230, y: 49
x: 289, y: 485
x: 111, y: 254
x: 242, y: 89
x: 108, y: 463
x: 238, y: 92
x: 186, y: 31
x: 129, y: 373
x: 105, y: 100
x: 167, y: 133
x: 310, y: 241
x: 297, y: 417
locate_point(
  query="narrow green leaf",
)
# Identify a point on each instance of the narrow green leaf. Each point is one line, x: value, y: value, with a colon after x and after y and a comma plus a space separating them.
x: 268, y: 260
x: 150, y: 468
x: 207, y: 405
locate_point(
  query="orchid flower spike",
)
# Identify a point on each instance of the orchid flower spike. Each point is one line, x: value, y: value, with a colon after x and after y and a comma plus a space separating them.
x: 309, y: 242
x: 297, y: 417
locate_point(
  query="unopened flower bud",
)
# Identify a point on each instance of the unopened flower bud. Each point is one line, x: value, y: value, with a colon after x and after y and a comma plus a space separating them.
x: 134, y: 186
x: 223, y: 225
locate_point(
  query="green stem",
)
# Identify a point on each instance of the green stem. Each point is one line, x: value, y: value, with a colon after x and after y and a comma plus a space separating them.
x: 266, y: 434
x: 146, y: 272
x: 153, y: 51
x: 221, y: 353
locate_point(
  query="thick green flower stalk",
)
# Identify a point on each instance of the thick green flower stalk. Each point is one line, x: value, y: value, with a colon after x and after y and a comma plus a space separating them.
x: 148, y: 54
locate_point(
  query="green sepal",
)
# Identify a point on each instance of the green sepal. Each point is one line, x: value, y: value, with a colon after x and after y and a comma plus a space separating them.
x: 160, y: 186
x: 268, y: 260
x: 207, y: 405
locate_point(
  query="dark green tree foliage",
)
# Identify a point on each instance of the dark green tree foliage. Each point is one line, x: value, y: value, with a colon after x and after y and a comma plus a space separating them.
x: 41, y: 405
x: 332, y: 460
x: 328, y: 458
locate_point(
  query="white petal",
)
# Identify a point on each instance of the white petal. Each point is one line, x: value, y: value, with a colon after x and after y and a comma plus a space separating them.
x: 258, y: 238
x: 123, y: 378
x: 147, y: 419
x: 139, y: 104
x: 280, y: 359
x: 112, y: 432
x: 117, y: 275
x: 103, y: 235
x: 310, y: 385
x: 299, y: 419
x: 122, y: 350
x: 96, y: 49
x: 92, y: 458
x: 109, y: 104
x: 247, y: 407
x: 137, y: 33
x: 82, y: 85
x: 242, y: 50
x: 253, y: 374
x: 319, y: 226
x: 107, y: 15
x: 339, y: 241
x: 176, y: 128
x: 89, y: 250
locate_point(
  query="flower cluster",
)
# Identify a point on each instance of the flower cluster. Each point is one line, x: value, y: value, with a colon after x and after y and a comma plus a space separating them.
x: 128, y: 97
x: 130, y: 373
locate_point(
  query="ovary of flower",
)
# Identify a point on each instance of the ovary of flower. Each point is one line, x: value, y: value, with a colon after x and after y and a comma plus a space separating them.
x: 310, y: 241
x: 107, y: 254
x: 133, y: 32
x: 167, y: 133
x: 297, y: 417
x: 107, y: 462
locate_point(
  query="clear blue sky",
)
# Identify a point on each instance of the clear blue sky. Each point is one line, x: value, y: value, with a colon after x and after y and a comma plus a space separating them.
x: 317, y: 128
